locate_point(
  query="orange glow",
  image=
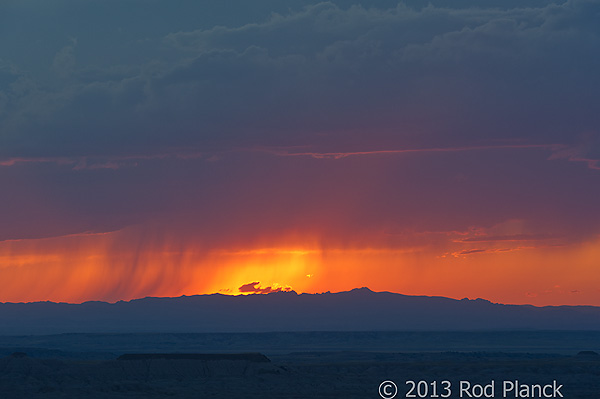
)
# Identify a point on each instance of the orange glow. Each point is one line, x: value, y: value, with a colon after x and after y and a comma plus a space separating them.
x: 130, y: 264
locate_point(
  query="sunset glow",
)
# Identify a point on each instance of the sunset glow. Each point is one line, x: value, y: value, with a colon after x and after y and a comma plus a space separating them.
x: 121, y: 266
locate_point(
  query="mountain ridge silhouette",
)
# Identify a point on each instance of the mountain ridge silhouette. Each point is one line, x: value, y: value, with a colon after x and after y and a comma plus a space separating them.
x: 357, y: 310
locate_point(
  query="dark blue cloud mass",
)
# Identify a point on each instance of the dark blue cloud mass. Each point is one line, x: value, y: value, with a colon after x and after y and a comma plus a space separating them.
x: 429, y: 116
x: 124, y: 78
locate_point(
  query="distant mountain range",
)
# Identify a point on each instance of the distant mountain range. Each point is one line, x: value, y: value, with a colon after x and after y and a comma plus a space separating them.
x: 358, y: 310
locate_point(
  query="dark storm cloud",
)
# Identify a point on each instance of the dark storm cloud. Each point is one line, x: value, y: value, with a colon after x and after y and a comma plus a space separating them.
x: 392, y: 76
x: 215, y: 119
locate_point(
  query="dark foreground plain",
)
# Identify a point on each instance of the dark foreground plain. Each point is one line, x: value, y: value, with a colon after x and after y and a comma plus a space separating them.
x: 302, y: 365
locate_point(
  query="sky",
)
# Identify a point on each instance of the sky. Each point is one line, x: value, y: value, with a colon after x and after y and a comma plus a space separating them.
x: 166, y: 148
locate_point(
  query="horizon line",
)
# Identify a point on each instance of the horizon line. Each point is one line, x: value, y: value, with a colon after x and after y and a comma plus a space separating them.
x: 251, y: 294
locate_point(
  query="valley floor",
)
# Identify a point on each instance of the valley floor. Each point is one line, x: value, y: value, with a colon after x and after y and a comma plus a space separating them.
x: 320, y: 365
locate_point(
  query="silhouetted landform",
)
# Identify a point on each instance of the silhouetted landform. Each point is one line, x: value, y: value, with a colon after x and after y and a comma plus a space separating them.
x: 588, y: 353
x: 247, y: 357
x: 356, y: 310
x: 298, y: 375
x: 38, y: 349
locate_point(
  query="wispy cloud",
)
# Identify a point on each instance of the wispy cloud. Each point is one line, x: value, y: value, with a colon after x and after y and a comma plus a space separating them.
x: 340, y: 155
x: 96, y: 162
x: 468, y: 252
x: 512, y: 237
